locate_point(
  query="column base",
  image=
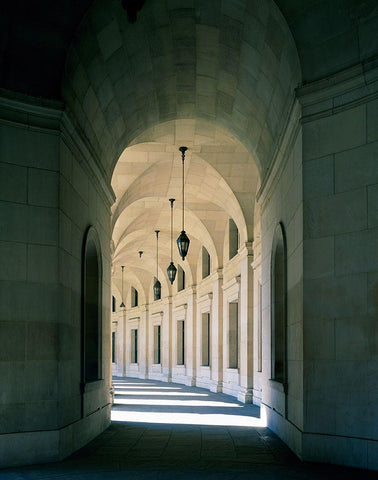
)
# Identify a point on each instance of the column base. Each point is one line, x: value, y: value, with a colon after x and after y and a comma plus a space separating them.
x: 216, y: 387
x: 245, y: 395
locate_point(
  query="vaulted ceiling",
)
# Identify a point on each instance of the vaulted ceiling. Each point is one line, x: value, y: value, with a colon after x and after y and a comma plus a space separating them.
x: 35, y: 36
x: 217, y: 77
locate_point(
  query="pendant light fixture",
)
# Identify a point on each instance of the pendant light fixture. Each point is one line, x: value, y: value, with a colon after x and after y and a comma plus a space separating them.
x: 183, y: 240
x: 122, y: 304
x: 157, y: 285
x: 171, y: 270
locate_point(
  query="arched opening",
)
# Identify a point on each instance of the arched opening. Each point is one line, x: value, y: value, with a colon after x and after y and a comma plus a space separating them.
x: 134, y: 297
x: 222, y: 106
x: 278, y: 306
x: 180, y: 278
x: 206, y: 266
x: 233, y: 239
x: 218, y: 77
x: 92, y: 308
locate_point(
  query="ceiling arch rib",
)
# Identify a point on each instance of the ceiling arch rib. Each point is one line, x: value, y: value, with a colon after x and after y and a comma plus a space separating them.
x: 133, y: 277
x: 145, y: 268
x: 135, y: 236
x: 203, y: 184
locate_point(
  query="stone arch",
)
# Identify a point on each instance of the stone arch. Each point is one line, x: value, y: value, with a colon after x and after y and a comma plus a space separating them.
x: 234, y: 66
x: 157, y: 178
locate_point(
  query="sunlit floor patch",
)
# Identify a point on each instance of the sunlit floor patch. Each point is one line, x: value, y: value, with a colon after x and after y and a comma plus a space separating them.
x: 176, y: 403
x: 132, y: 383
x: 187, y: 419
x: 153, y: 393
x: 150, y: 387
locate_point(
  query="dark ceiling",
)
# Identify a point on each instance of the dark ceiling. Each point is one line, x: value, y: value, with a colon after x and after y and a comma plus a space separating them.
x: 35, y: 36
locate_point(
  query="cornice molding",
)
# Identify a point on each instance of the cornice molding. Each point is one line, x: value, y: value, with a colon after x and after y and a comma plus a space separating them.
x: 182, y: 307
x: 280, y: 158
x: 50, y: 117
x: 205, y: 298
x: 314, y: 96
x: 235, y: 281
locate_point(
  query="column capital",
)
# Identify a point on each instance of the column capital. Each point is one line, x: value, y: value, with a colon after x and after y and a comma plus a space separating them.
x: 246, y: 250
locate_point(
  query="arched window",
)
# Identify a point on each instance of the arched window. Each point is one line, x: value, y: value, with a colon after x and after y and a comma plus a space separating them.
x: 205, y: 263
x: 233, y: 239
x: 134, y: 297
x: 92, y: 308
x: 180, y: 279
x: 278, y: 305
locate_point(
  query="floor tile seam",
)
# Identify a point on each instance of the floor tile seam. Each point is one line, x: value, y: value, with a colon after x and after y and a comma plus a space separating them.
x: 137, y: 440
x: 232, y: 438
x: 167, y: 442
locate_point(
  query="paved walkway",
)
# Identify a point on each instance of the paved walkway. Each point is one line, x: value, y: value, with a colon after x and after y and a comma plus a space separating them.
x: 165, y: 431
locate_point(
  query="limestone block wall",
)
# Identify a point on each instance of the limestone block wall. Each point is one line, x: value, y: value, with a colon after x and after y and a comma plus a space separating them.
x: 280, y: 200
x: 47, y: 202
x: 30, y: 290
x: 82, y: 204
x: 340, y: 175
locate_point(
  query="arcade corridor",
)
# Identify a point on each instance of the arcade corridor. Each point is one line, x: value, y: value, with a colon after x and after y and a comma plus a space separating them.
x: 217, y: 445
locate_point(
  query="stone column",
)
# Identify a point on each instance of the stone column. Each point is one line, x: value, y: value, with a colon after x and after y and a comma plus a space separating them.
x: 144, y: 346
x: 217, y: 334
x: 190, y: 333
x: 168, y: 342
x: 246, y: 324
x: 123, y: 343
x: 257, y: 323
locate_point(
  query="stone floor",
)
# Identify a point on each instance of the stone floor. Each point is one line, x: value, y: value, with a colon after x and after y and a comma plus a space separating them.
x: 166, y: 431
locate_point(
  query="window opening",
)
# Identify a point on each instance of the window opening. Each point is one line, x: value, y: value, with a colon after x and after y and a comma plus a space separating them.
x: 205, y: 339
x: 233, y: 238
x: 113, y: 346
x: 180, y: 342
x: 157, y: 345
x: 278, y: 305
x: 134, y: 297
x: 134, y: 345
x: 205, y: 263
x: 233, y: 335
x: 180, y: 278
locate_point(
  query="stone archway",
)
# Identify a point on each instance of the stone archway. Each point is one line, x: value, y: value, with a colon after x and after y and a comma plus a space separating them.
x: 219, y: 80
x: 234, y: 67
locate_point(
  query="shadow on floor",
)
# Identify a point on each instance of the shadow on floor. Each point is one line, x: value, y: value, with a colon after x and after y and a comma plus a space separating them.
x: 157, y: 434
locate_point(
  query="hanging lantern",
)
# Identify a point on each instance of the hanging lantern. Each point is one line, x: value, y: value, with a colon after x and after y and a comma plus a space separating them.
x: 183, y: 240
x: 157, y: 284
x: 171, y: 270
